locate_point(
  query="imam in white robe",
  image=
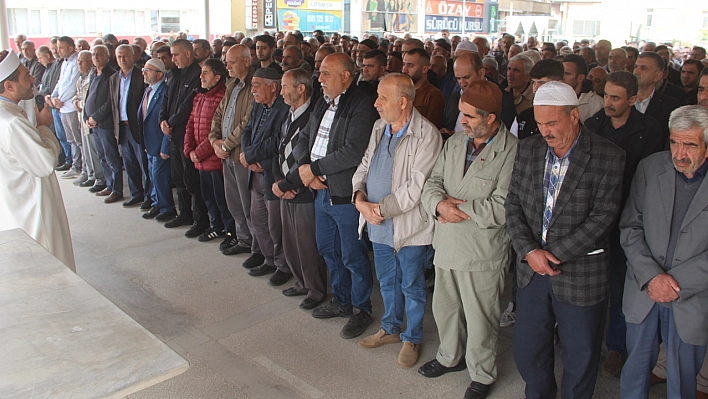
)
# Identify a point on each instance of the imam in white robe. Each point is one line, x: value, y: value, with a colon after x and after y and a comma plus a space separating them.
x: 30, y: 198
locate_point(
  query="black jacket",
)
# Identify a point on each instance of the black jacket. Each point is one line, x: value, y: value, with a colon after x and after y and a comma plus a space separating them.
x: 177, y: 105
x: 642, y: 138
x: 348, y: 139
x: 50, y: 77
x: 98, y: 99
x: 673, y: 91
x: 660, y: 108
x: 260, y: 144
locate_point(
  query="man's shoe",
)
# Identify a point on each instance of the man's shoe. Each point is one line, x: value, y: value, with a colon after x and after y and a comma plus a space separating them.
x: 262, y: 270
x: 332, y: 309
x: 80, y: 180
x: 152, y: 213
x: 381, y: 338
x: 229, y: 241
x: 408, y: 356
x: 104, y: 193
x: 133, y: 202
x: 356, y: 325
x: 63, y: 168
x: 166, y: 216
x: 210, y: 234
x: 196, y: 230
x: 97, y: 188
x: 309, y: 303
x: 477, y: 390
x: 612, y: 367
x: 293, y: 291
x: 236, y: 250
x: 146, y: 206
x: 87, y: 183
x: 434, y: 369
x: 508, y: 317
x: 71, y: 173
x: 181, y: 220
x: 279, y: 278
x: 253, y: 261
x: 655, y: 379
x: 114, y: 197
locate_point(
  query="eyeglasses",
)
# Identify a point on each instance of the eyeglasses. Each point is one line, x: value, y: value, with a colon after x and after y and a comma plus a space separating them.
x: 151, y: 70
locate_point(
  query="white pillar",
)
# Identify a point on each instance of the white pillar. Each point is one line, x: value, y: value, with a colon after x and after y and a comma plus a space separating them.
x: 4, y: 27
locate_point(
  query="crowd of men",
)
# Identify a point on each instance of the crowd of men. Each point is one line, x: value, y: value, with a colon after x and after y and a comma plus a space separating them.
x: 544, y: 160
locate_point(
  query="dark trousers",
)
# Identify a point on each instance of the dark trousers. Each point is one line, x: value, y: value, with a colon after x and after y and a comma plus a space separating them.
x: 683, y: 360
x: 111, y: 163
x: 160, y: 177
x: 213, y: 193
x: 300, y: 248
x: 617, y: 328
x: 267, y: 226
x: 135, y: 162
x: 186, y: 179
x: 580, y: 329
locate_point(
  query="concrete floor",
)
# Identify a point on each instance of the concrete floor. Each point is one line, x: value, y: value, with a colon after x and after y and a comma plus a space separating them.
x: 243, y: 338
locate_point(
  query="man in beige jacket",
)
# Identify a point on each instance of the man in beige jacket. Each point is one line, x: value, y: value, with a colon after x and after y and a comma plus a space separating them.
x: 387, y: 187
x: 466, y: 193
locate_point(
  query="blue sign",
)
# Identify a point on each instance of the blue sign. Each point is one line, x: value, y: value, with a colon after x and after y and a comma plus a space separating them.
x: 436, y: 23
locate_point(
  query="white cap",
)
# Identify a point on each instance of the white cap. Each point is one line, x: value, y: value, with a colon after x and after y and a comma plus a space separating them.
x: 9, y: 65
x: 466, y: 45
x: 489, y: 60
x: 556, y: 94
x: 157, y: 63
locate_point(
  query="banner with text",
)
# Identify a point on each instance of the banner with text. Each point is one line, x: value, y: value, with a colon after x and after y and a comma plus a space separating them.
x: 309, y: 15
x: 455, y: 16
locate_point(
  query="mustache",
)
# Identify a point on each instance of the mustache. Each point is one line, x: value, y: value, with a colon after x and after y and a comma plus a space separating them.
x: 681, y: 160
x: 608, y: 108
x: 549, y: 137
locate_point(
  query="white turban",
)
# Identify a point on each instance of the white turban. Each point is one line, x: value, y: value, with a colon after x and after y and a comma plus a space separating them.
x: 9, y: 65
x: 556, y: 94
x: 466, y: 45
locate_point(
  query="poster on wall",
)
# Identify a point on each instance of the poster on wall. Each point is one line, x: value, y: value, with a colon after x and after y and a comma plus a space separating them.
x: 455, y: 16
x: 269, y: 14
x: 309, y: 15
x: 390, y: 15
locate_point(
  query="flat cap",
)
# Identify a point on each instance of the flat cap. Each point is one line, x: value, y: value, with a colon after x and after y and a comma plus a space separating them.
x: 267, y: 73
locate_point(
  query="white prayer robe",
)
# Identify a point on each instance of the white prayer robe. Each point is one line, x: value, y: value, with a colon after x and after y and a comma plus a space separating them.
x: 30, y: 198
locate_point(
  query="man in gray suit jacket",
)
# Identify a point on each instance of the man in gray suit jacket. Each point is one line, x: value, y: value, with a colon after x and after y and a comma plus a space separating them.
x: 666, y: 242
x: 563, y: 200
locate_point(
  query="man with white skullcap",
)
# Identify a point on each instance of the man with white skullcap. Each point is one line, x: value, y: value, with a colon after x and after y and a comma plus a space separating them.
x: 30, y: 199
x: 563, y: 199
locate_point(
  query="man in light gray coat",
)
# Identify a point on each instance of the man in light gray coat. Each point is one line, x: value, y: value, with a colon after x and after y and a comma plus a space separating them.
x: 387, y: 189
x: 466, y: 193
x: 665, y: 237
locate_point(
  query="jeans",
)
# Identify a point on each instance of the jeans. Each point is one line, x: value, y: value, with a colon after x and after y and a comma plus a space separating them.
x: 61, y: 136
x: 402, y: 280
x: 346, y: 256
x: 213, y: 193
x: 160, y: 177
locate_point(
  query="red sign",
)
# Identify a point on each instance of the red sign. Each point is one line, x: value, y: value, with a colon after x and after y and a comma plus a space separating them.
x: 454, y: 8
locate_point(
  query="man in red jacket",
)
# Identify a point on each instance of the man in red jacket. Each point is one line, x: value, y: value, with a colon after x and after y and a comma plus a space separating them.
x: 199, y: 150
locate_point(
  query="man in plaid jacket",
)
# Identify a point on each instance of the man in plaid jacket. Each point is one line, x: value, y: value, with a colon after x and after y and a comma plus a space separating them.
x: 563, y: 200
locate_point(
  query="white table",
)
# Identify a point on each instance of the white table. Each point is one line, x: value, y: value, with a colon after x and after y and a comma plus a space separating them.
x: 60, y: 338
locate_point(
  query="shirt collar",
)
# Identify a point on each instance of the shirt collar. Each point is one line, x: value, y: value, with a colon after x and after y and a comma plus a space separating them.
x: 333, y: 103
x: 156, y: 85
x: 489, y: 140
x: 3, y: 98
x: 552, y: 155
x: 294, y: 114
x: 700, y: 173
x: 646, y: 100
x: 401, y: 132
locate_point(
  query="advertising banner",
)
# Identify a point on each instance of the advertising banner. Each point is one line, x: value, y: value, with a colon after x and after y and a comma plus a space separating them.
x: 454, y: 8
x: 269, y: 14
x: 309, y: 15
x: 435, y: 23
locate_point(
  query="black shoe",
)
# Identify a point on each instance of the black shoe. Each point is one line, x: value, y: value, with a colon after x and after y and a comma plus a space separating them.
x: 477, y: 390
x: 87, y: 183
x: 97, y: 189
x: 166, y: 216
x: 262, y: 270
x: 332, y: 309
x: 62, y: 168
x: 279, y: 278
x: 309, y: 303
x: 210, y: 234
x: 181, y: 220
x: 196, y: 230
x: 253, y: 261
x: 434, y: 369
x: 229, y: 241
x: 146, y: 206
x: 152, y: 213
x: 292, y: 291
x: 132, y: 202
x: 236, y: 250
x: 356, y: 325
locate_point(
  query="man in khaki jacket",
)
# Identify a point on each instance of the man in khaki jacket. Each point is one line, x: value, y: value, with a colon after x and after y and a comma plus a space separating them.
x: 387, y: 187
x: 466, y: 193
x: 229, y: 120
